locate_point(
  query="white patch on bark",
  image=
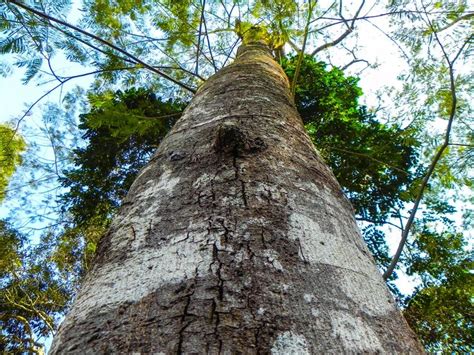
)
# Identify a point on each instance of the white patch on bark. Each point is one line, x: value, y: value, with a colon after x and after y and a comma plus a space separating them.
x: 289, y: 343
x: 131, y: 228
x: 165, y: 186
x: 261, y: 311
x: 143, y: 170
x: 264, y: 191
x: 143, y: 272
x: 318, y: 246
x: 370, y: 294
x: 201, y: 181
x: 271, y: 256
x: 214, y: 119
x: 239, y: 257
x: 354, y: 333
x: 277, y: 265
x: 308, y: 297
x: 342, y: 248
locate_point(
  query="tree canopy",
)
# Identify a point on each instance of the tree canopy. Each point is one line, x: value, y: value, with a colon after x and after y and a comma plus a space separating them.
x: 405, y: 162
x: 11, y: 147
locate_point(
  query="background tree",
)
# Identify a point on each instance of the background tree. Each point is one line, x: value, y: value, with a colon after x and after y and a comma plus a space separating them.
x: 11, y: 147
x: 31, y: 296
x: 440, y: 308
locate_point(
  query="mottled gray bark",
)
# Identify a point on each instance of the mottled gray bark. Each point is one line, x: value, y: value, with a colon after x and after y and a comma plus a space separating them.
x: 235, y: 238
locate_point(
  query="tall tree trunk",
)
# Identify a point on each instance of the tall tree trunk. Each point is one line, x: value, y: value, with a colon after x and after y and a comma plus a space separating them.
x: 235, y: 238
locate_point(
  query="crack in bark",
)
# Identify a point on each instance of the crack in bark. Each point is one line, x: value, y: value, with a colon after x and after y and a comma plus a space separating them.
x: 182, y: 240
x: 243, y: 193
x: 262, y: 237
x: 249, y: 250
x: 220, y: 284
x: 215, y: 314
x: 257, y: 339
x: 300, y: 249
x: 184, y: 323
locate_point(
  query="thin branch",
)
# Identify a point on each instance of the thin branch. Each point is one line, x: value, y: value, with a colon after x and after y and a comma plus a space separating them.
x: 61, y: 83
x: 94, y: 47
x: 38, y: 45
x: 191, y: 28
x: 354, y: 61
x: 196, y: 70
x: 104, y: 42
x: 293, y: 45
x: 350, y: 28
x: 461, y: 145
x: 402, y: 51
x: 401, y: 12
x: 436, y: 158
x: 178, y: 64
x: 301, y: 56
x: 362, y: 219
x: 209, y: 46
x: 54, y: 149
x: 231, y: 51
x: 324, y: 13
x: 467, y: 16
x: 368, y: 157
x: 338, y: 21
x: 26, y: 326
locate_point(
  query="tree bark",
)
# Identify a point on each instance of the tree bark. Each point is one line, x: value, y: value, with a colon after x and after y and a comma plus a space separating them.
x: 235, y: 238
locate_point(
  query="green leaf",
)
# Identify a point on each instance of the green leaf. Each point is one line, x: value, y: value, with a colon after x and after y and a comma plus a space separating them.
x: 11, y: 147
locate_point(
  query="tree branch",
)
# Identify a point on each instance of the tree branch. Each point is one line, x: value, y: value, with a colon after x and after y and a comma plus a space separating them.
x: 437, y: 156
x: 467, y: 16
x: 368, y: 157
x: 61, y: 83
x: 350, y: 28
x: 301, y: 56
x: 213, y: 62
x: 104, y: 42
x: 196, y: 70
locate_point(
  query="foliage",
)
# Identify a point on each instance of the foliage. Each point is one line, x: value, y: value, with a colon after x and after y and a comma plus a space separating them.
x: 440, y: 311
x: 438, y: 86
x: 352, y: 140
x: 11, y: 147
x: 30, y: 295
x: 251, y: 33
x: 122, y: 131
x: 439, y: 42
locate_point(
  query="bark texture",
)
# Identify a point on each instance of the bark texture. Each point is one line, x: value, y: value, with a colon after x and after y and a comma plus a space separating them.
x: 235, y: 238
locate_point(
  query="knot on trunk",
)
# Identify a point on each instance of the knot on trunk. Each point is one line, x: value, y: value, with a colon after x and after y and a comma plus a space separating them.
x: 231, y: 139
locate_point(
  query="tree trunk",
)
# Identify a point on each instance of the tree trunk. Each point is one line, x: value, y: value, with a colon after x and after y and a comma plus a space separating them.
x: 235, y: 238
